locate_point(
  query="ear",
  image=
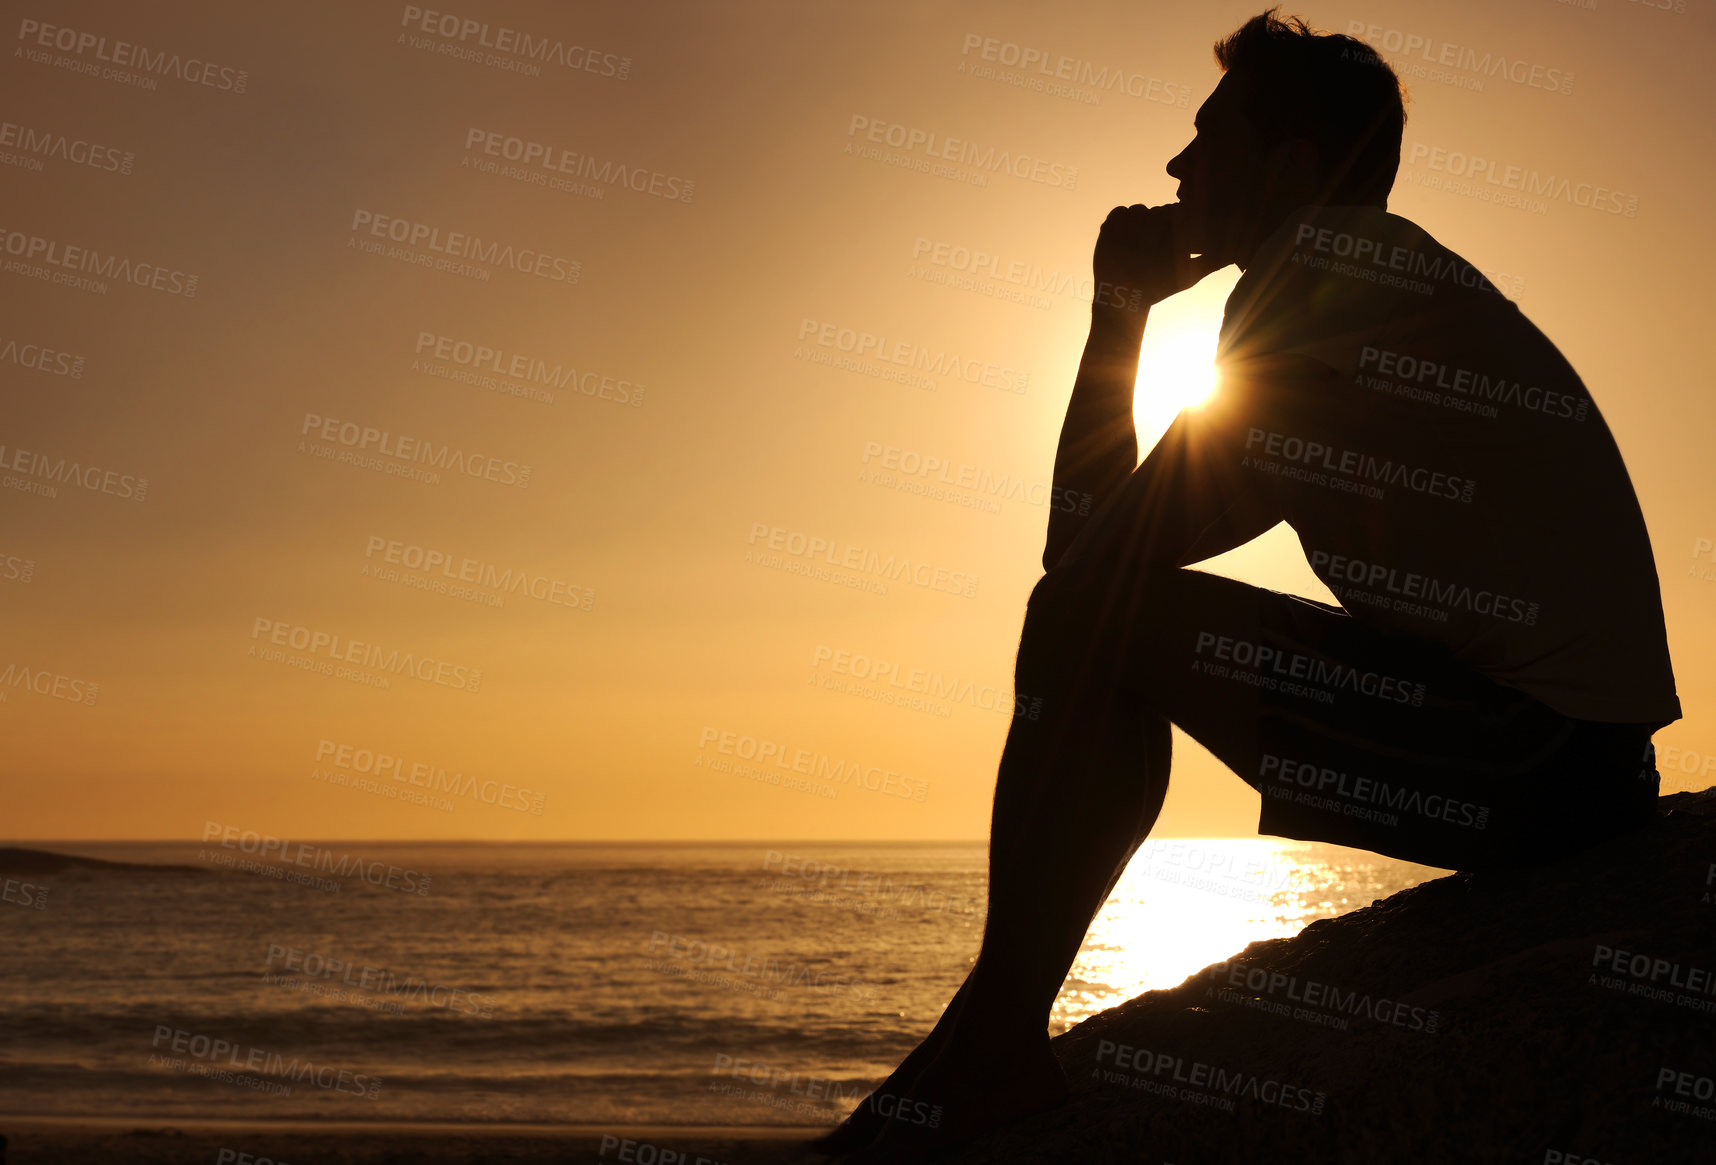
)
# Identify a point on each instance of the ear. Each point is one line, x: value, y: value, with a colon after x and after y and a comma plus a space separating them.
x: 1296, y: 161
x: 1292, y: 174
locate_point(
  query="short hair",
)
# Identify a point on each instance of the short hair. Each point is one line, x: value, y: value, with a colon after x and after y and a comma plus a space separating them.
x: 1332, y: 90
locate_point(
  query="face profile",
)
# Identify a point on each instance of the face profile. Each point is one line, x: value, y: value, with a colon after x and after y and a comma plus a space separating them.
x: 1220, y: 175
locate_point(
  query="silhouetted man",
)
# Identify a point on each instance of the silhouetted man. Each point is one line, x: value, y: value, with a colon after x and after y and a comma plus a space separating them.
x: 1486, y: 695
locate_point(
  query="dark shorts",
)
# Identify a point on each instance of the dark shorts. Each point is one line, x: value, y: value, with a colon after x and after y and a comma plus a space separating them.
x: 1351, y: 735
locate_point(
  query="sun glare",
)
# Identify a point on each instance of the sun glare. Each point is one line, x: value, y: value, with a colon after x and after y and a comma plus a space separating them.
x: 1176, y: 370
x: 1184, y: 904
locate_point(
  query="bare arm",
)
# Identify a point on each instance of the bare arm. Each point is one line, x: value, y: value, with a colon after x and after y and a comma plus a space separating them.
x: 1098, y: 447
x: 1197, y: 495
x: 1141, y: 259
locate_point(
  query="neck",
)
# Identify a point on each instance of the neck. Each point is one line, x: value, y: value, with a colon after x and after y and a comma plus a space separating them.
x: 1270, y: 219
x: 1265, y: 224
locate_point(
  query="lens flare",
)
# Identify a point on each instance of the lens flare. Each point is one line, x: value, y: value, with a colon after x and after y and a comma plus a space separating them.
x: 1176, y: 370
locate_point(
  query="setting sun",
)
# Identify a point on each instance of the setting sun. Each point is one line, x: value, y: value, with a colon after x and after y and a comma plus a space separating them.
x: 1175, y: 371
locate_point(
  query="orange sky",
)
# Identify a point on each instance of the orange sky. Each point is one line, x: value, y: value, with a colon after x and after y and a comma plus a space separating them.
x: 755, y: 234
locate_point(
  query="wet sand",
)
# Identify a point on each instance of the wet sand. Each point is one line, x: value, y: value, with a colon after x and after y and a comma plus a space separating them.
x: 168, y: 1141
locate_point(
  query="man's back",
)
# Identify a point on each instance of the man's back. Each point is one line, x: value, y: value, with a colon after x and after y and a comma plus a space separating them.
x: 1451, y: 480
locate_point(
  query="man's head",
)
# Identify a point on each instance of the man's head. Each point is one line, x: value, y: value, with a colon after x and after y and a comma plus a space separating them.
x: 1299, y: 118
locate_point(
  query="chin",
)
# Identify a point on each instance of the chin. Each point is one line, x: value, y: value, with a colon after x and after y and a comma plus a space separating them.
x: 1195, y: 229
x: 1211, y: 242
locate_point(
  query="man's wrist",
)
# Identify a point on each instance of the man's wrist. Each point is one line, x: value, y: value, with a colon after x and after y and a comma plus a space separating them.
x: 1117, y: 323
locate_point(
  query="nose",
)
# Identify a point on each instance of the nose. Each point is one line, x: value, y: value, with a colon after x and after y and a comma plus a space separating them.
x: 1177, y: 166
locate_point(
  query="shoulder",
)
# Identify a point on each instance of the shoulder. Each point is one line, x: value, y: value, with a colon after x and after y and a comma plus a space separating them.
x: 1279, y: 385
x: 1330, y: 275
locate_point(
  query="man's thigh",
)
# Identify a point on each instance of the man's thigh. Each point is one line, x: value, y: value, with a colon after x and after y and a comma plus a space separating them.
x: 1351, y: 735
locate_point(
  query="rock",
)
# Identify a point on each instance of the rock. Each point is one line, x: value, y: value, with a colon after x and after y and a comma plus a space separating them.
x: 1561, y: 1014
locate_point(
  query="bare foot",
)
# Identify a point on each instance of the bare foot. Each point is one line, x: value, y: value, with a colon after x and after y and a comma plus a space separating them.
x: 966, y: 1091
x: 873, y: 1113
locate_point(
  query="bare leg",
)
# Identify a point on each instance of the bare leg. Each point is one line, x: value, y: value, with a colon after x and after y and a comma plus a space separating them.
x: 1116, y: 654
x: 1077, y: 792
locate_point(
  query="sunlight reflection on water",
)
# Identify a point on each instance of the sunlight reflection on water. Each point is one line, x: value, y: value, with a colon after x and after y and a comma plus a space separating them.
x: 1186, y: 903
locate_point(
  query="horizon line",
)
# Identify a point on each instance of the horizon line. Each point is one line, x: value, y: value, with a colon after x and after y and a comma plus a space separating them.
x: 595, y: 840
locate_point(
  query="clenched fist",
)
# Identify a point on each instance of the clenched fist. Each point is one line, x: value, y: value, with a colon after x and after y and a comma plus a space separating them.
x: 1141, y: 257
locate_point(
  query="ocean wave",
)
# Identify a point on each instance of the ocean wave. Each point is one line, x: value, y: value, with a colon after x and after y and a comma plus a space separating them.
x: 545, y: 1038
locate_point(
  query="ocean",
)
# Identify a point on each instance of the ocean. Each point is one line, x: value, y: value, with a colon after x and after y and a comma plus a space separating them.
x: 723, y: 984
